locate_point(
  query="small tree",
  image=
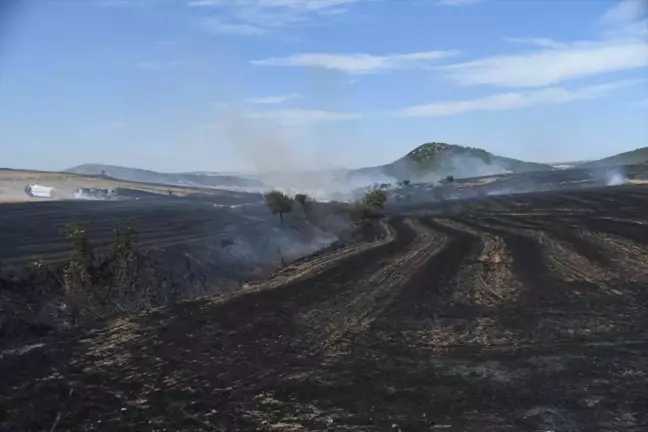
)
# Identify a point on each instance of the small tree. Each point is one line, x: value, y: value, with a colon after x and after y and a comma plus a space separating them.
x: 278, y: 203
x: 304, y: 201
x: 375, y: 198
x: 449, y: 178
x: 406, y: 182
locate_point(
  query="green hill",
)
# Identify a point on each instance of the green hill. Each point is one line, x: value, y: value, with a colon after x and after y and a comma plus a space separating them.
x: 632, y: 157
x: 432, y: 161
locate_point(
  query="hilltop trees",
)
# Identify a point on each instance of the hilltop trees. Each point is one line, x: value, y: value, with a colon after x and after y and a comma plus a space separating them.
x: 278, y: 203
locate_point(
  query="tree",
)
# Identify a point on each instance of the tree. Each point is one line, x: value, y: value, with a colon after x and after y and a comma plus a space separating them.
x: 304, y: 201
x: 375, y: 198
x: 449, y: 178
x: 406, y: 182
x: 278, y: 203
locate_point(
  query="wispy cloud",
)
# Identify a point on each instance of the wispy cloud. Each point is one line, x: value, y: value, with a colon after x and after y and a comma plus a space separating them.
x: 541, y: 42
x: 159, y: 65
x: 625, y: 11
x: 642, y: 103
x: 218, y: 26
x: 127, y: 4
x: 515, y: 100
x: 302, y: 117
x: 458, y: 2
x: 273, y: 99
x: 359, y: 63
x: 552, y: 65
x: 292, y: 117
x: 112, y: 3
x: 623, y: 46
x: 256, y: 17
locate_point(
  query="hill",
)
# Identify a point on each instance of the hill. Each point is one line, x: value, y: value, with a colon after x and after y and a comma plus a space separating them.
x: 175, y: 179
x: 632, y: 157
x: 432, y: 161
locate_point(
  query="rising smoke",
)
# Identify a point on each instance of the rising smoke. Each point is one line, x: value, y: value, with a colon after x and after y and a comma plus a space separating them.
x: 614, y: 176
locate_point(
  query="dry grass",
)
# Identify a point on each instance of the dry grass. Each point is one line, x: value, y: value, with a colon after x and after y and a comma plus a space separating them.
x: 12, y: 184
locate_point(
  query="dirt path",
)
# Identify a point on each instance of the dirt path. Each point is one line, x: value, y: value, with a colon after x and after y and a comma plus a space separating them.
x: 513, y: 320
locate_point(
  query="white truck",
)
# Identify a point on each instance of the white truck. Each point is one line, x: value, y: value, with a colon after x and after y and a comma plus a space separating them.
x: 38, y: 191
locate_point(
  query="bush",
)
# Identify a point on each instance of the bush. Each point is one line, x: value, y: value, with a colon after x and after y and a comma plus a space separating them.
x: 364, y: 218
x: 96, y: 286
x: 375, y: 198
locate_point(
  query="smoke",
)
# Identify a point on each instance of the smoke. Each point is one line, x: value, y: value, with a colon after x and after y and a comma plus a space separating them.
x: 274, y: 246
x: 614, y: 176
x: 464, y: 166
x: 278, y: 148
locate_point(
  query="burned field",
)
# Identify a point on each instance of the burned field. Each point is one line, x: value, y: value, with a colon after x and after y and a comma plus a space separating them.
x: 520, y: 312
x: 32, y: 232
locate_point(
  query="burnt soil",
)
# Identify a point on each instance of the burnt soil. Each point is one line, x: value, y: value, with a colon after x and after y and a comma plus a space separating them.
x: 514, y: 313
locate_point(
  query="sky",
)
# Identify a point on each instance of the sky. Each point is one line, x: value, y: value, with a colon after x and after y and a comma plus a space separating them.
x: 254, y: 85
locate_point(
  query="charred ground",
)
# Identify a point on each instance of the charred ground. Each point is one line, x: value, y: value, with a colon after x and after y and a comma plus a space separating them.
x: 516, y: 312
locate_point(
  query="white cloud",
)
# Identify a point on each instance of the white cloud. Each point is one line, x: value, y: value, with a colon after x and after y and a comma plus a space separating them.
x: 158, y: 65
x: 217, y: 26
x: 541, y: 42
x: 552, y: 65
x: 515, y: 100
x: 458, y: 2
x: 623, y: 46
x: 302, y: 117
x: 359, y: 63
x: 273, y: 99
x: 112, y: 3
x: 256, y: 17
x: 624, y: 11
x: 128, y: 4
x: 626, y: 19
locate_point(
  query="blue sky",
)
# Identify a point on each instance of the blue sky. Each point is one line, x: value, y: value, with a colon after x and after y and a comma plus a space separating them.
x: 227, y: 85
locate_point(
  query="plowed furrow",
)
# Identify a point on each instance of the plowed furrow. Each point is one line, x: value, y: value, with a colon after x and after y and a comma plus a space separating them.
x: 429, y: 291
x: 485, y: 280
x: 339, y: 318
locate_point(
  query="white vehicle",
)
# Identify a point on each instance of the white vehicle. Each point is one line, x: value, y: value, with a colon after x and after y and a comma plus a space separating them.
x: 39, y: 191
x: 94, y: 193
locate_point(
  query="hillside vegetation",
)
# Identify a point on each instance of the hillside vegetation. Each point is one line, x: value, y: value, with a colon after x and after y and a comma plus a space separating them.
x: 632, y: 157
x: 433, y: 161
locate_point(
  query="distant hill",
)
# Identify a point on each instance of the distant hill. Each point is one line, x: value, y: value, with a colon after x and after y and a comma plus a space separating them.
x: 432, y: 161
x: 172, y: 179
x: 632, y: 157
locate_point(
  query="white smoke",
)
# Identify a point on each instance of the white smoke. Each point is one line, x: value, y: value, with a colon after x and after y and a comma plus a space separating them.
x: 615, y: 177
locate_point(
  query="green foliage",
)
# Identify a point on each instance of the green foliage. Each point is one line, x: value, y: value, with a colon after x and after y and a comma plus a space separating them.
x: 432, y: 156
x: 278, y: 203
x: 77, y: 278
x: 375, y: 198
x: 96, y: 286
x: 124, y: 246
x: 304, y: 201
x: 77, y: 236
